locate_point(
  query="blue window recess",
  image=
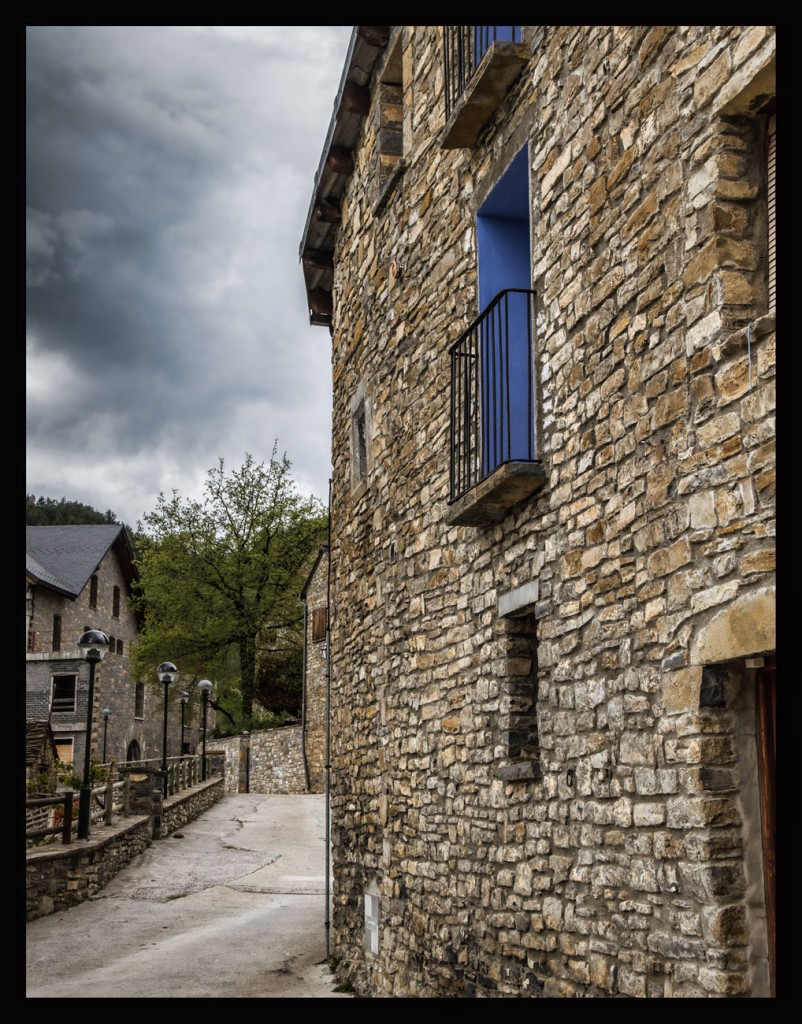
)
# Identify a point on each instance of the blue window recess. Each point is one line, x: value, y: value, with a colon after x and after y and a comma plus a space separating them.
x: 484, y: 35
x: 503, y: 245
x: 492, y: 368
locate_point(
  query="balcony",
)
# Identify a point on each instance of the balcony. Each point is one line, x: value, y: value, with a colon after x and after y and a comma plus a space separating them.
x: 481, y: 62
x: 493, y: 463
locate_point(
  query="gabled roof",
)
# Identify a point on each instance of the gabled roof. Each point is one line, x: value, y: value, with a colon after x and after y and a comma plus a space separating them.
x: 64, y: 557
x: 324, y: 550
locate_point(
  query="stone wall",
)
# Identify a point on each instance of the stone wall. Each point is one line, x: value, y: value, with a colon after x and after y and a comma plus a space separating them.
x: 315, y: 682
x: 268, y: 761
x: 623, y: 857
x: 58, y: 877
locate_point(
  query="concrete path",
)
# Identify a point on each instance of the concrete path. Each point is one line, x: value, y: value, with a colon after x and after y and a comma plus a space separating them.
x: 232, y: 906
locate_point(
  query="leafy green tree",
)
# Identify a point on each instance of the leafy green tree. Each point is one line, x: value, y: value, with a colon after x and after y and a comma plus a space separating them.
x: 220, y: 579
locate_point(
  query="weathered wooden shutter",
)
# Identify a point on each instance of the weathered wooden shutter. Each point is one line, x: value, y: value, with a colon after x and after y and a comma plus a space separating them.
x: 318, y: 624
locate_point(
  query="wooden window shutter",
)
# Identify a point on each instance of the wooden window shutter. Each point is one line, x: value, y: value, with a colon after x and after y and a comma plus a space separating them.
x: 319, y: 624
x: 771, y: 202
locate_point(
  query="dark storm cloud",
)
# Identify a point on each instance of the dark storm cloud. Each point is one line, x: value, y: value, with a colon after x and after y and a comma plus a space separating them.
x: 169, y: 171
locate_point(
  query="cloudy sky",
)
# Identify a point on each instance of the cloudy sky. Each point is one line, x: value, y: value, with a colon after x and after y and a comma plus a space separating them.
x: 169, y: 174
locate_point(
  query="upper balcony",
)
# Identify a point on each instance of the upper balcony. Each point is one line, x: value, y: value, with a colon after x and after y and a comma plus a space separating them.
x: 493, y: 461
x: 481, y: 62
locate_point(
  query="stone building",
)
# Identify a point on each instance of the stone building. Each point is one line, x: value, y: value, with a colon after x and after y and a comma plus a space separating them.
x: 546, y: 263
x: 315, y: 681
x: 79, y: 578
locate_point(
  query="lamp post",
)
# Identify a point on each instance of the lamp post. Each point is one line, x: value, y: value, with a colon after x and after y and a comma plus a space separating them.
x: 183, y: 697
x: 106, y: 717
x: 93, y: 645
x: 205, y: 688
x: 167, y: 673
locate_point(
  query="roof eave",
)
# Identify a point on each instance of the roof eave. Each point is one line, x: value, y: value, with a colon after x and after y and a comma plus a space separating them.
x: 335, y: 168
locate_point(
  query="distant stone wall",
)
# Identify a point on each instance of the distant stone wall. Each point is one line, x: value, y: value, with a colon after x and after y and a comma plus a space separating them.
x: 315, y: 680
x: 269, y: 761
x: 58, y: 877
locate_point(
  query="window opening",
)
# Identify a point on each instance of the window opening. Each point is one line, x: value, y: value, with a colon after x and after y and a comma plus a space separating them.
x: 139, y: 701
x: 64, y: 748
x: 361, y: 443
x: 518, y: 722
x: 391, y: 127
x: 115, y: 611
x: 93, y: 592
x: 56, y: 632
x: 64, y: 691
x: 372, y: 922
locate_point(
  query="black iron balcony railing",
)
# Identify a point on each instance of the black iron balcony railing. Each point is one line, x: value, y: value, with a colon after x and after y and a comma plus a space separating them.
x: 492, y: 391
x: 463, y: 49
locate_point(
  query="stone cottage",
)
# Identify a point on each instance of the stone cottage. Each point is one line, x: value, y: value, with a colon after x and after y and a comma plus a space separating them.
x: 79, y: 578
x: 545, y: 257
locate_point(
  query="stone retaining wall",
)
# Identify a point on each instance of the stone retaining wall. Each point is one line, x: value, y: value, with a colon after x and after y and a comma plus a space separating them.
x: 58, y: 877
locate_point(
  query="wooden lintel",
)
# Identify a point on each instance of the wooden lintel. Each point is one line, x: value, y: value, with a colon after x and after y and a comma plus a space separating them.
x: 356, y: 99
x: 314, y: 259
x: 340, y: 160
x: 327, y: 210
x: 375, y: 35
x: 320, y: 302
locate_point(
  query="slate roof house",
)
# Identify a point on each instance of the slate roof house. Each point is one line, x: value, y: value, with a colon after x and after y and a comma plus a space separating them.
x: 545, y: 258
x: 79, y: 578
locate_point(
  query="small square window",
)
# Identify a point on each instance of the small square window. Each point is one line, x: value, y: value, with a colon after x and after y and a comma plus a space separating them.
x: 64, y: 748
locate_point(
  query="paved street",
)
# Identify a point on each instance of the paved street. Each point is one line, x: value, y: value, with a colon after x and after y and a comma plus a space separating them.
x: 232, y: 906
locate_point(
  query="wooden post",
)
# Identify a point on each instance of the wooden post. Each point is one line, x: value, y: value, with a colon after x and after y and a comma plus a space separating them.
x: 109, y: 806
x: 66, y: 835
x: 158, y: 807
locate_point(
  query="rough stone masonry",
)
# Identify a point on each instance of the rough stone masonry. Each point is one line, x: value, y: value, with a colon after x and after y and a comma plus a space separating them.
x: 548, y: 738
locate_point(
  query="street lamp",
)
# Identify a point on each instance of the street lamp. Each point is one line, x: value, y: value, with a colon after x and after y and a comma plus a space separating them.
x: 205, y: 688
x: 167, y: 673
x: 94, y: 645
x: 183, y: 697
x: 106, y: 717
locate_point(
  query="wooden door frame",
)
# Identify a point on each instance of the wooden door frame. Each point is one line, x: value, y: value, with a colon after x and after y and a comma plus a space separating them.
x: 766, y: 733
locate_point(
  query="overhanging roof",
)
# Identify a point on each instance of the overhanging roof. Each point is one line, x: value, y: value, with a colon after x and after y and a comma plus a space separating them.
x: 336, y: 165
